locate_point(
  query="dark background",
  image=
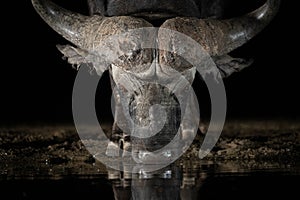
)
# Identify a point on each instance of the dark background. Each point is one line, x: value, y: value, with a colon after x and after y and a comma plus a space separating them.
x: 36, y: 83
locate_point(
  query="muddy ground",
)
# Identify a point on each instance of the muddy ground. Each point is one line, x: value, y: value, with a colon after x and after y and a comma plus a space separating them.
x: 55, y: 151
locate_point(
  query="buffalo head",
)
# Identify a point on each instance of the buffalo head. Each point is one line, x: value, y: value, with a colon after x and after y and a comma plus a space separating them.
x: 130, y: 74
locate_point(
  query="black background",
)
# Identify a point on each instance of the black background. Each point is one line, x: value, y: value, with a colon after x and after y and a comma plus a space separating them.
x: 36, y: 83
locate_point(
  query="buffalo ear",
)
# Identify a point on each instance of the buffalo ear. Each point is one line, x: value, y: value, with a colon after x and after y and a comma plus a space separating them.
x: 80, y: 57
x: 228, y: 65
x: 75, y: 56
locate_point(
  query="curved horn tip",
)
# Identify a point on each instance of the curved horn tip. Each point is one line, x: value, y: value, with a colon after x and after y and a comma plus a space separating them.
x: 268, y: 10
x: 64, y: 22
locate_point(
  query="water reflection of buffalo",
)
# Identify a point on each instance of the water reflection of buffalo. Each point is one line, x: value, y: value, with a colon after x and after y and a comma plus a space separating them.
x: 173, y: 182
